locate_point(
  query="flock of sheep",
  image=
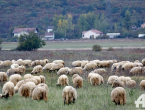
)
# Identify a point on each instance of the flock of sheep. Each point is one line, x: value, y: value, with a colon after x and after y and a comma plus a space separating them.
x: 30, y: 85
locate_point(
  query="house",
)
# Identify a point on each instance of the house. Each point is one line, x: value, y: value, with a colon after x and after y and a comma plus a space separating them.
x: 93, y: 33
x: 21, y: 31
x: 143, y: 25
x: 49, y: 34
x: 141, y: 35
x: 112, y: 35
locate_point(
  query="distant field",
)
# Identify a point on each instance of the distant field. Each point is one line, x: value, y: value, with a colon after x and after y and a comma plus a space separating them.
x: 86, y: 44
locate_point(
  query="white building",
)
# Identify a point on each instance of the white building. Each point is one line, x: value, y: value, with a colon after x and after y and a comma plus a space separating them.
x: 21, y: 31
x: 141, y: 35
x: 91, y: 34
x: 112, y: 35
x: 49, y: 35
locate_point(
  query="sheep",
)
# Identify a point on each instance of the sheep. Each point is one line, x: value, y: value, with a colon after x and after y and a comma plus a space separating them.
x: 90, y: 66
x: 8, y: 89
x: 131, y: 84
x: 89, y: 76
x: 76, y: 63
x: 43, y: 85
x: 69, y: 95
x: 19, y: 62
x: 137, y: 64
x: 42, y: 78
x: 16, y: 88
x: 38, y: 79
x: 142, y: 85
x: 63, y: 70
x: 15, y: 78
x: 26, y: 76
x: 35, y: 63
x: 46, y: 61
x: 127, y: 66
x: 14, y: 66
x: 40, y: 93
x: 19, y: 70
x: 48, y: 66
x: 3, y: 77
x: 56, y: 67
x: 84, y: 62
x: 37, y: 69
x: 62, y: 80
x: 77, y: 81
x: 27, y: 62
x: 5, y: 63
x: 100, y: 71
x: 103, y: 64
x: 111, y: 79
x: 124, y: 79
x: 58, y: 61
x: 143, y: 62
x: 75, y: 70
x: 117, y: 83
x: 95, y: 79
x: 27, y: 89
x: 22, y: 70
x: 118, y: 95
x: 136, y: 71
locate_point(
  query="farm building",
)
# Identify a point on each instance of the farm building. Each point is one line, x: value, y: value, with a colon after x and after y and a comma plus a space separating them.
x: 91, y: 34
x: 112, y: 35
x: 141, y: 35
x: 49, y: 35
x: 21, y: 31
x: 143, y: 25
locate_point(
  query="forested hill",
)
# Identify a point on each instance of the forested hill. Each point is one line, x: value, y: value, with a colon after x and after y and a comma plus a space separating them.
x: 40, y: 13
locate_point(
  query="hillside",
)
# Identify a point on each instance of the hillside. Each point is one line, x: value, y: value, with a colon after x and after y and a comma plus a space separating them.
x: 40, y: 13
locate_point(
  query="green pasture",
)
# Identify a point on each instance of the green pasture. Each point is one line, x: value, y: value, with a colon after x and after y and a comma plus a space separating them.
x: 121, y: 43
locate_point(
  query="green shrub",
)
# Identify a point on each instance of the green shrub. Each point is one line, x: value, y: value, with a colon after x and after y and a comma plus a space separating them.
x: 96, y: 48
x: 110, y: 49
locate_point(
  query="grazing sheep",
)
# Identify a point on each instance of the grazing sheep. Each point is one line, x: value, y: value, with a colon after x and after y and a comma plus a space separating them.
x: 48, y: 66
x: 58, y: 61
x: 103, y: 64
x: 12, y: 71
x: 32, y: 80
x: 95, y: 80
x: 62, y: 80
x: 75, y: 70
x: 19, y: 62
x: 100, y: 71
x: 42, y: 62
x: 27, y: 89
x: 111, y: 79
x: 27, y: 76
x: 69, y: 95
x: 27, y: 62
x: 15, y: 78
x: 84, y: 62
x: 40, y: 93
x: 142, y: 85
x: 56, y: 67
x: 37, y: 69
x: 22, y: 70
x: 127, y: 66
x: 35, y: 63
x: 90, y: 66
x: 63, y: 70
x: 3, y: 77
x: 16, y: 88
x: 136, y: 71
x: 42, y: 78
x: 124, y: 79
x: 46, y: 61
x: 131, y: 84
x: 8, y: 89
x: 5, y: 63
x: 77, y: 81
x: 14, y: 66
x: 43, y: 85
x: 117, y: 83
x: 118, y: 95
x: 76, y: 63
x: 38, y: 79
x: 143, y: 62
x: 89, y: 76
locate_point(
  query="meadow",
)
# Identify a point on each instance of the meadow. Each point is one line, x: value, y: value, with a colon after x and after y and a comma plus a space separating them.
x: 89, y: 97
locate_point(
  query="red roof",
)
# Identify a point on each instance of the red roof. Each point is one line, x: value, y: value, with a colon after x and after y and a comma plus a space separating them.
x: 143, y: 25
x: 17, y: 30
x: 93, y: 30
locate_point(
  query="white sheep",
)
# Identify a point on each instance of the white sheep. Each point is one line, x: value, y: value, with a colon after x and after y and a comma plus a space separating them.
x: 100, y: 71
x: 142, y: 85
x: 15, y: 78
x: 48, y: 66
x: 37, y: 69
x: 75, y: 70
x: 27, y: 62
x: 26, y: 76
x: 58, y: 61
x: 56, y: 67
x: 69, y: 95
x: 131, y: 84
x: 63, y: 80
x: 143, y: 62
x: 3, y: 77
x: 95, y: 80
x: 84, y: 62
x: 118, y: 95
x: 76, y: 63
x: 77, y: 81
x: 117, y: 83
x: 63, y: 70
x: 90, y: 66
x: 136, y: 71
x: 42, y: 78
x: 111, y: 79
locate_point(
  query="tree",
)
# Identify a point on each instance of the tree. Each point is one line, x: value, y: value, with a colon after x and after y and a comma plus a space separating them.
x: 127, y: 20
x: 30, y: 42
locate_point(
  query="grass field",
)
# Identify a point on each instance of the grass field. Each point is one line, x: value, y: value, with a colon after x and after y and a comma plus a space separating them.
x: 86, y: 44
x: 89, y: 97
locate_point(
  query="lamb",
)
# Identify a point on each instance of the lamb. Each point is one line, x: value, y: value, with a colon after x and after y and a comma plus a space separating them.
x: 75, y: 70
x: 76, y: 63
x: 56, y: 67
x: 3, y: 77
x: 40, y: 93
x: 63, y: 81
x: 8, y: 89
x: 90, y: 66
x: 27, y: 89
x: 37, y: 69
x: 118, y: 95
x: 77, y: 81
x: 95, y: 80
x: 100, y: 71
x: 131, y: 84
x: 63, y: 70
x: 142, y: 85
x: 15, y: 78
x: 69, y: 95
x: 42, y: 78
x: 136, y: 71
x: 117, y: 83
x: 48, y: 66
x: 143, y: 62
x: 111, y: 79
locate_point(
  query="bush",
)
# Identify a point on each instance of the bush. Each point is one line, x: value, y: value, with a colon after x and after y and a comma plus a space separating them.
x: 110, y: 49
x: 30, y: 42
x: 96, y: 48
